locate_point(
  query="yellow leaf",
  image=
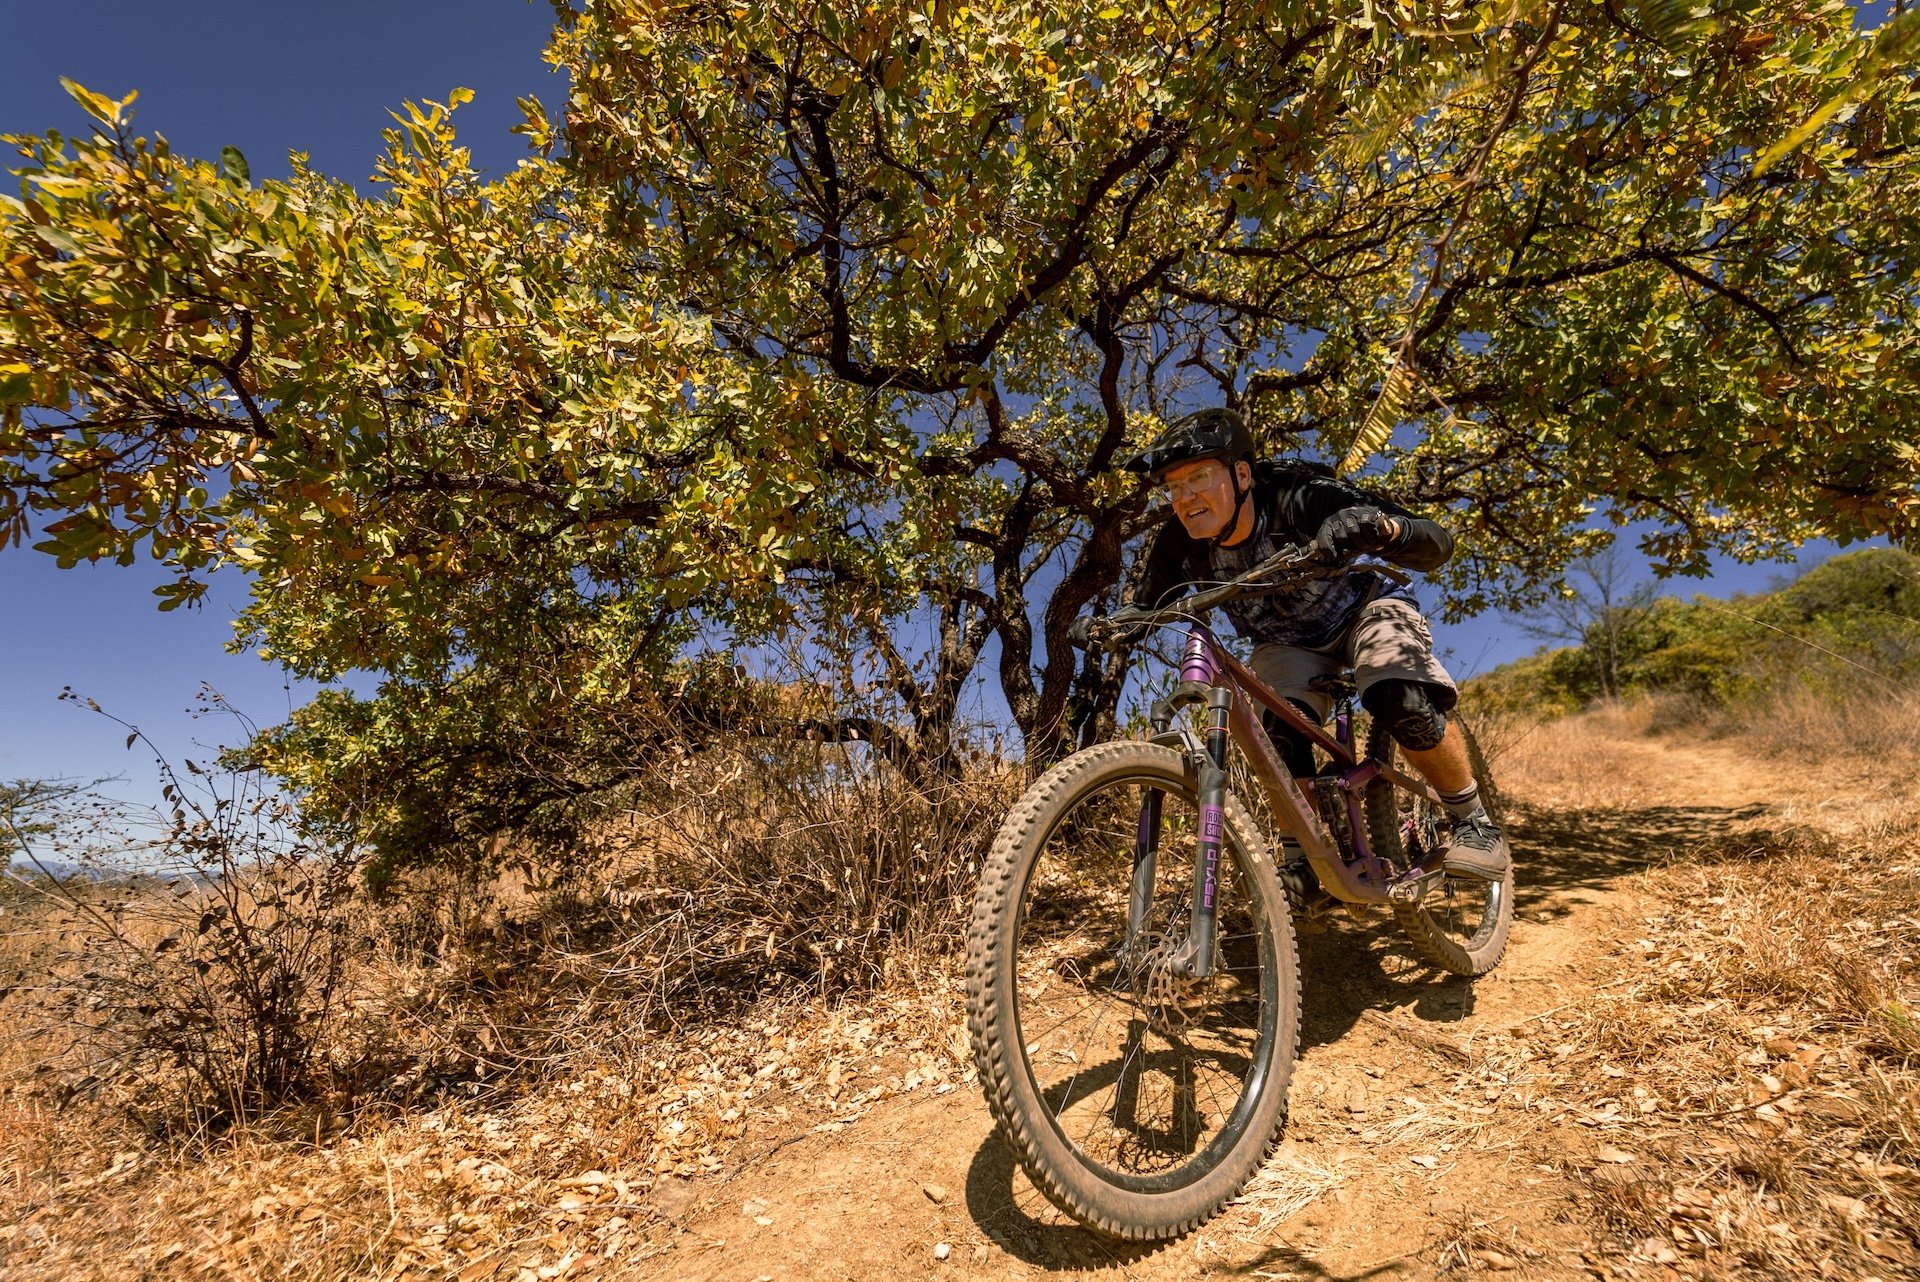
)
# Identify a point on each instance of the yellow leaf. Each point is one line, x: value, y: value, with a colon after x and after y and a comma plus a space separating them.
x: 99, y: 106
x: 1396, y: 394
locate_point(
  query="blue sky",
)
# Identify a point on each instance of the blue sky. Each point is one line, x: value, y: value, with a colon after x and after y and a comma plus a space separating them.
x: 268, y: 78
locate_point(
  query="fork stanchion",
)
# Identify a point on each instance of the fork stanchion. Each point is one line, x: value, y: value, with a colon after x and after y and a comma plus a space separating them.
x: 1146, y: 844
x: 1194, y: 958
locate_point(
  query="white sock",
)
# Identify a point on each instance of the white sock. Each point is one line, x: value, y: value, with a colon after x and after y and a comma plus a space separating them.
x: 1465, y: 805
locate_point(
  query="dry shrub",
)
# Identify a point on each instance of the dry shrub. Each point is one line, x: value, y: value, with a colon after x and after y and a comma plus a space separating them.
x: 235, y: 972
x: 1863, y: 724
x: 1590, y: 761
x: 635, y: 1012
x: 1871, y: 723
x: 184, y: 966
x: 821, y: 859
x: 739, y: 869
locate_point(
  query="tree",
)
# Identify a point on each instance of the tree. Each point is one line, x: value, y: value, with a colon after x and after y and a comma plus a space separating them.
x: 1598, y: 610
x: 810, y: 314
x: 26, y: 807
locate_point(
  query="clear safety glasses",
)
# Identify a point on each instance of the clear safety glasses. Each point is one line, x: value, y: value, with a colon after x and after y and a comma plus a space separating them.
x: 1197, y: 482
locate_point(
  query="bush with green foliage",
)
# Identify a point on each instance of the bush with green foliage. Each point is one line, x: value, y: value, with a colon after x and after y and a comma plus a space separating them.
x: 1848, y: 625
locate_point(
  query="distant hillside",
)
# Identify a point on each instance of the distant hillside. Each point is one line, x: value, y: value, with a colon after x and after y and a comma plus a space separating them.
x: 1847, y: 630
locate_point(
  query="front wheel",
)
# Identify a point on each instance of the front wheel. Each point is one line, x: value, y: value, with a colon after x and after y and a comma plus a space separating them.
x: 1137, y: 1100
x: 1462, y: 924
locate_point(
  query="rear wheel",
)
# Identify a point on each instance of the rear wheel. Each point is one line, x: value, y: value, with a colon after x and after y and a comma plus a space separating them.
x: 1460, y: 925
x: 1137, y: 1100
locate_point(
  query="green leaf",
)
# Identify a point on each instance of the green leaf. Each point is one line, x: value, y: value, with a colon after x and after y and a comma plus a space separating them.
x: 1672, y: 22
x: 16, y: 384
x: 59, y: 239
x: 183, y: 592
x: 1893, y: 49
x: 1389, y: 407
x: 233, y: 167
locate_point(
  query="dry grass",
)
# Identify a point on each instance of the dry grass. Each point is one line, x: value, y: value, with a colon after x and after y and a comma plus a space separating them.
x: 1600, y: 760
x: 523, y: 1064
x: 1278, y: 1192
x: 575, y: 1172
x: 1613, y: 757
x: 1745, y: 1102
x: 1802, y: 725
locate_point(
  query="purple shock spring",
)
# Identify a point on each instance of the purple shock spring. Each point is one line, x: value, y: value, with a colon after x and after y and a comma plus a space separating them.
x: 1196, y: 664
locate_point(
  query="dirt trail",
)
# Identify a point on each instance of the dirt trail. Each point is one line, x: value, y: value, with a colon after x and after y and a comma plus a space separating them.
x: 1406, y: 1144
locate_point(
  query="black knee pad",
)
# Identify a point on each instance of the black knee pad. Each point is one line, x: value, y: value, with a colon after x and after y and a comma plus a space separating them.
x: 1296, y: 750
x: 1414, y: 712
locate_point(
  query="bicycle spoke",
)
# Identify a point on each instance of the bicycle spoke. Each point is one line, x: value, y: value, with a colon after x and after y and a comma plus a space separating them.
x: 1145, y: 1093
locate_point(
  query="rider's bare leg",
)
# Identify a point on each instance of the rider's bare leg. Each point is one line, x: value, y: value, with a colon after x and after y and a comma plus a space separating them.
x: 1478, y: 848
x: 1445, y: 766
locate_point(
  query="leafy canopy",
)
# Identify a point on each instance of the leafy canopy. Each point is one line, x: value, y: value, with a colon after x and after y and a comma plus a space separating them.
x: 809, y: 315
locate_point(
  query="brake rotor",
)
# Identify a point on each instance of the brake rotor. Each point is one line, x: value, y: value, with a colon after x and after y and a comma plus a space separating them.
x: 1170, y: 1001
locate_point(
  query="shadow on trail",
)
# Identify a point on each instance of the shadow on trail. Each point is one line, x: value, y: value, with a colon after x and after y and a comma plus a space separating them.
x: 1562, y: 857
x: 1561, y: 853
x: 1023, y: 1223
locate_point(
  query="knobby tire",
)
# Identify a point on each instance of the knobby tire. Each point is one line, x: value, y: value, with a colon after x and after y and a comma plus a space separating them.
x: 1050, y: 914
x: 1462, y: 924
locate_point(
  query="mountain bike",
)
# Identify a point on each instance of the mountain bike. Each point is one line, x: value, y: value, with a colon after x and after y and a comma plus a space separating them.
x: 1133, y: 988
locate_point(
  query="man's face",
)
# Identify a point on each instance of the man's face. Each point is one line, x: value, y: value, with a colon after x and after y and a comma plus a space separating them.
x: 1201, y: 493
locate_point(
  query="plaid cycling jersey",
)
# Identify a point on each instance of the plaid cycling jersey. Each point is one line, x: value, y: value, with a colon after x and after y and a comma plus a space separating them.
x: 1291, y: 498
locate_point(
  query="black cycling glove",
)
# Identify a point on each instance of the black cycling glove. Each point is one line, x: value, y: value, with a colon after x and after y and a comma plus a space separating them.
x: 1353, y: 531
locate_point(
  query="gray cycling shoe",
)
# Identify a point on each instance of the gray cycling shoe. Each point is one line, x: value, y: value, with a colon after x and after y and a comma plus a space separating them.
x: 1478, y: 849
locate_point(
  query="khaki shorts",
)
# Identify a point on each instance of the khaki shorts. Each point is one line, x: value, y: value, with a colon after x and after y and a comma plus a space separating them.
x: 1388, y: 640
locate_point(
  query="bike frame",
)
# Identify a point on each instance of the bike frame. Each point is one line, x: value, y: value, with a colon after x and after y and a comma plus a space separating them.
x: 1210, y: 675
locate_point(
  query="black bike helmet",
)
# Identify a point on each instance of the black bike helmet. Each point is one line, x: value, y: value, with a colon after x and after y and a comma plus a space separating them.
x: 1211, y: 433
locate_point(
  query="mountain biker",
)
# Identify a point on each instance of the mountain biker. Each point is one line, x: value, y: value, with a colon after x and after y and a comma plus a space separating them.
x: 1232, y: 513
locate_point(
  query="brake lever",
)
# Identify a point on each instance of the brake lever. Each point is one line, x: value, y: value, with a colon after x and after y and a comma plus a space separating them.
x: 1103, y: 629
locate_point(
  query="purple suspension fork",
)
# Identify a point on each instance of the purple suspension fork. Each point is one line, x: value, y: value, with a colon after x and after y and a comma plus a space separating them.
x: 1194, y: 957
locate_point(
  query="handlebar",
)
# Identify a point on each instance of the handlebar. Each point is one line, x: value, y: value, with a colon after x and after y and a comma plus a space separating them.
x: 1293, y: 564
